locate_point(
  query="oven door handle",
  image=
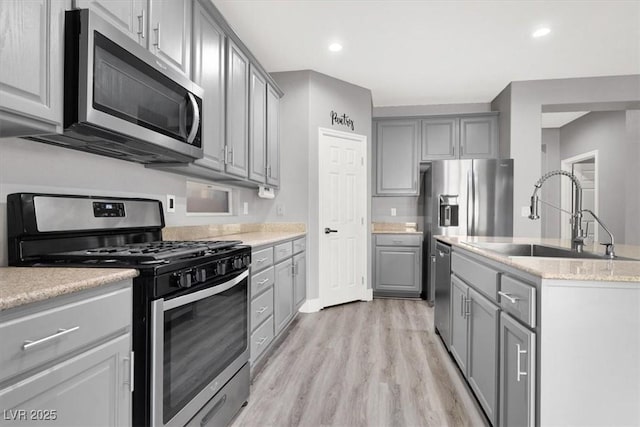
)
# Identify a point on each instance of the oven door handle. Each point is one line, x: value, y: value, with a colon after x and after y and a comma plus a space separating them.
x: 205, y: 293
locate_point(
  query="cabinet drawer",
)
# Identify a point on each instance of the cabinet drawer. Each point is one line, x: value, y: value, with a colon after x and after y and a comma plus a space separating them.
x: 86, y: 321
x: 261, y: 308
x: 261, y: 259
x: 518, y: 299
x: 261, y: 338
x: 299, y: 245
x: 282, y: 251
x: 481, y: 277
x: 262, y: 281
x: 398, y: 240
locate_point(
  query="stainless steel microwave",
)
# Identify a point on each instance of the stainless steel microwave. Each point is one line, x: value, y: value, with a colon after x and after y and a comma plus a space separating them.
x: 122, y: 101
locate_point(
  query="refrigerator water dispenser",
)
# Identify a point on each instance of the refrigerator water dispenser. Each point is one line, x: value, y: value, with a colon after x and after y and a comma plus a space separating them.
x: 448, y: 210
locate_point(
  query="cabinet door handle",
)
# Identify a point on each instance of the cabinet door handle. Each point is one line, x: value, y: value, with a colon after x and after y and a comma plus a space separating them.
x: 157, y: 31
x: 509, y: 297
x: 461, y: 305
x: 261, y: 340
x: 467, y: 311
x: 141, y: 24
x: 61, y: 332
x: 262, y: 282
x: 262, y: 309
x: 520, y: 352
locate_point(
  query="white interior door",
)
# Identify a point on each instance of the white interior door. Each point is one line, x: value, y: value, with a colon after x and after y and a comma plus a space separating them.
x: 343, y: 205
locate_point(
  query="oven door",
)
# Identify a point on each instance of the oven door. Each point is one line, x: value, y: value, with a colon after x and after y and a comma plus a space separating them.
x: 199, y: 341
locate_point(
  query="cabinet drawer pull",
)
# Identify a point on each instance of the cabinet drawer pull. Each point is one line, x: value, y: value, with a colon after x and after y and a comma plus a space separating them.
x: 30, y: 344
x: 262, y: 310
x: 262, y: 282
x: 261, y: 260
x: 519, y: 373
x: 261, y: 340
x: 397, y: 242
x: 509, y: 297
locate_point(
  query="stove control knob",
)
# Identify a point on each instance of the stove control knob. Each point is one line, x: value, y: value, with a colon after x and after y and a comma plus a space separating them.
x: 201, y: 275
x: 221, y: 268
x: 246, y: 260
x: 237, y: 263
x: 183, y: 280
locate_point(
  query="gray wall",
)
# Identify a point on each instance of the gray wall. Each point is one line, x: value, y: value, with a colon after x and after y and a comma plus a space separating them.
x: 550, y: 217
x: 28, y: 166
x: 632, y: 206
x: 617, y: 170
x: 528, y: 99
x: 502, y: 103
x: 325, y: 94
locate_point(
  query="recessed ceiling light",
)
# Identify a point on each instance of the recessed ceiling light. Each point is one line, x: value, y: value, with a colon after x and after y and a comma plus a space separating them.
x: 335, y: 47
x: 541, y: 32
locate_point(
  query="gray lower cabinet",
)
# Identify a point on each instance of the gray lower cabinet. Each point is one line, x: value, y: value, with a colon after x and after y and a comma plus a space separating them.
x: 283, y: 294
x: 474, y: 332
x: 398, y: 265
x: 278, y: 289
x: 299, y: 279
x: 482, y: 363
x: 67, y: 361
x: 397, y: 157
x: 517, y: 373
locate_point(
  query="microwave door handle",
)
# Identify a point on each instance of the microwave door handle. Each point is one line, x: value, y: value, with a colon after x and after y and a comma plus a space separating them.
x: 196, y: 118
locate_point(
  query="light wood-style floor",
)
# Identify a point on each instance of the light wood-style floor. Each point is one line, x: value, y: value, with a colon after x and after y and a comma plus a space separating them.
x: 375, y: 363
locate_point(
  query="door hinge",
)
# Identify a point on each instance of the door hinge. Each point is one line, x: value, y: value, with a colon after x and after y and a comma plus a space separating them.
x: 362, y: 161
x: 362, y: 279
x: 361, y: 221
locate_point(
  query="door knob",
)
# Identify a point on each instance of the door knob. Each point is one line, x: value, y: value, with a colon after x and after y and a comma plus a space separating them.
x: 327, y: 230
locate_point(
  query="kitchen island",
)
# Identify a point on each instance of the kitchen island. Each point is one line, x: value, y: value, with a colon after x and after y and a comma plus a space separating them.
x: 546, y: 340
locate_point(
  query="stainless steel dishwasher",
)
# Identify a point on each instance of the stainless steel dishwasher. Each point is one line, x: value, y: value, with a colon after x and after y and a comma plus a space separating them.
x: 443, y: 292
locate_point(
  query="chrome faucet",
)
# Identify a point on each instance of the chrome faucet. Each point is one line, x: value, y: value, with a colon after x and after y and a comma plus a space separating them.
x: 578, y: 235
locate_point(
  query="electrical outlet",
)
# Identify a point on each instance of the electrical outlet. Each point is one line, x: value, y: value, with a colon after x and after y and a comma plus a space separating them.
x: 245, y: 208
x: 171, y: 203
x: 280, y: 210
x: 393, y: 212
x: 525, y: 211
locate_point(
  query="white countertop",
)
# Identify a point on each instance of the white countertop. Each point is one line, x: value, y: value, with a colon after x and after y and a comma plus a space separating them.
x: 558, y: 268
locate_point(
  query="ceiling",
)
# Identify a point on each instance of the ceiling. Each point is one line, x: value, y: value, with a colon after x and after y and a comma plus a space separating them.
x: 440, y: 52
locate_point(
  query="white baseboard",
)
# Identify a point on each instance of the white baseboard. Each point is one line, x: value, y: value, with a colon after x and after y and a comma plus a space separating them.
x: 368, y: 295
x: 311, y: 306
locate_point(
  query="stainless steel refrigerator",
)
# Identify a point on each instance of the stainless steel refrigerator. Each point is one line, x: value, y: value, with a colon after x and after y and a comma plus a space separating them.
x: 463, y: 198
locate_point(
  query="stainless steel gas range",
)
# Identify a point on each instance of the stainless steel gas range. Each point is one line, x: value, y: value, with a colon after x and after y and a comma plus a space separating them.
x: 191, y: 304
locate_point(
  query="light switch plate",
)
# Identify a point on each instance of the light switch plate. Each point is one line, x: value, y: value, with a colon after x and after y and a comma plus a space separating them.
x: 525, y: 211
x: 393, y: 212
x: 171, y: 203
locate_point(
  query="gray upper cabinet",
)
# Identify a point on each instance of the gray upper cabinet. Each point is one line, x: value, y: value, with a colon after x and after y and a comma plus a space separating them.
x: 397, y: 157
x: 439, y: 139
x: 257, y: 126
x: 273, y: 137
x: 130, y: 16
x: 31, y: 71
x: 209, y: 73
x: 479, y: 137
x: 170, y: 32
x: 465, y: 137
x: 517, y: 374
x: 237, y: 111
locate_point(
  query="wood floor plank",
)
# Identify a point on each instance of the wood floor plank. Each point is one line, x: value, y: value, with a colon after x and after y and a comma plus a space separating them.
x: 375, y: 363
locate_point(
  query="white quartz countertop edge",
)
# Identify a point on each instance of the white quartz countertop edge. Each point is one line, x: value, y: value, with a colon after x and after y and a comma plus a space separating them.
x: 555, y: 268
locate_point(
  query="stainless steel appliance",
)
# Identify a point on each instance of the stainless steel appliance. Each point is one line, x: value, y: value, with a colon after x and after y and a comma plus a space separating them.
x: 121, y: 101
x: 464, y: 198
x: 442, y: 310
x: 191, y: 304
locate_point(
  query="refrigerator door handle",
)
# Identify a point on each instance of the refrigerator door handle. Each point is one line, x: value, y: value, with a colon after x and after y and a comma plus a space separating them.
x: 470, y: 204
